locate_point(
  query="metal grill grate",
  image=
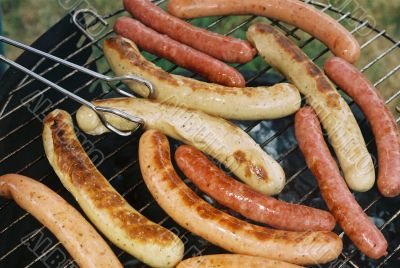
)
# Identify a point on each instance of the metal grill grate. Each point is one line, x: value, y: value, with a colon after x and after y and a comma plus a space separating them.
x: 25, y: 154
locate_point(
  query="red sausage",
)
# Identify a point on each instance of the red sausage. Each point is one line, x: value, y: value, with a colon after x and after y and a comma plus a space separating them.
x: 248, y: 202
x: 295, y: 12
x: 161, y: 45
x: 355, y: 223
x: 383, y: 124
x: 221, y: 47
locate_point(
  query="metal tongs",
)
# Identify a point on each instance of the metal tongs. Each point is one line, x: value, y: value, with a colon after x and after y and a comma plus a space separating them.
x: 99, y: 110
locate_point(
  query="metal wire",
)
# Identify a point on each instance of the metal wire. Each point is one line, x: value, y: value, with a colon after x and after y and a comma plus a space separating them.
x: 380, y: 34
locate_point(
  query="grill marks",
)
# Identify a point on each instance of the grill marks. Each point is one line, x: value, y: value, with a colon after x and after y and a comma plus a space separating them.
x: 126, y: 50
x: 83, y: 175
x: 161, y: 160
x: 332, y: 97
x: 251, y: 168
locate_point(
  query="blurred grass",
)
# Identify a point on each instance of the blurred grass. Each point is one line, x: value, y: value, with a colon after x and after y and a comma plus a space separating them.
x: 26, y: 20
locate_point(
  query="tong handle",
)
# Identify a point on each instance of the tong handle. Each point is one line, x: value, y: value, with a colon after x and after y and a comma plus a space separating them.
x: 106, y: 78
x: 97, y: 109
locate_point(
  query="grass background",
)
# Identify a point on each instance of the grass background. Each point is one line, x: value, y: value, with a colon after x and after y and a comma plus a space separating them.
x: 25, y: 20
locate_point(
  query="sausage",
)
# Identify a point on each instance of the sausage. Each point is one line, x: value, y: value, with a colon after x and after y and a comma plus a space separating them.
x: 221, y: 47
x: 246, y: 201
x: 215, y: 136
x: 234, y: 235
x: 161, y: 45
x: 78, y: 237
x: 382, y: 122
x: 105, y: 207
x: 233, y: 261
x: 304, y: 16
x: 272, y: 102
x: 354, y: 222
x: 332, y: 110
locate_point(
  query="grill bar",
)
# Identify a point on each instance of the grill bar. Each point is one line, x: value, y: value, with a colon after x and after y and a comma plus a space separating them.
x: 152, y: 202
x: 290, y: 32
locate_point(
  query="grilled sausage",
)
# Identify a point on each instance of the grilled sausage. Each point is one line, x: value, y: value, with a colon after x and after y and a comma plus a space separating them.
x: 297, y: 13
x: 355, y: 223
x: 161, y: 45
x: 213, y: 135
x: 383, y: 124
x: 233, y: 261
x: 221, y: 47
x: 221, y: 229
x: 241, y: 198
x: 261, y: 102
x: 332, y: 110
x: 106, y: 208
x: 80, y: 239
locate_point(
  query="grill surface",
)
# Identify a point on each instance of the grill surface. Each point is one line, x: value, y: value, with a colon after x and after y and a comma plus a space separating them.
x: 25, y: 243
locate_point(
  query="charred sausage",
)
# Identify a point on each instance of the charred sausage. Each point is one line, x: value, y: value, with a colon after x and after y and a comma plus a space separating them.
x: 106, y: 208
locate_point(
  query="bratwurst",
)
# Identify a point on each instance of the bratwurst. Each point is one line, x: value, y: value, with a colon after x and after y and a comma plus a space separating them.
x: 106, y: 208
x: 248, y: 202
x: 382, y: 121
x: 332, y: 110
x: 221, y: 47
x: 355, y: 223
x: 80, y: 239
x: 213, y: 135
x: 206, y: 66
x: 295, y: 12
x: 221, y: 229
x: 260, y: 103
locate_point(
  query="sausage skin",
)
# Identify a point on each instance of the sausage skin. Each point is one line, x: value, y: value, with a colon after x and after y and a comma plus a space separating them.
x: 354, y: 222
x: 161, y: 45
x: 246, y: 201
x: 106, y: 208
x: 263, y: 102
x: 333, y: 111
x: 219, y: 138
x: 221, y: 229
x: 79, y: 238
x: 382, y: 122
x: 304, y: 16
x: 220, y: 47
x: 233, y: 261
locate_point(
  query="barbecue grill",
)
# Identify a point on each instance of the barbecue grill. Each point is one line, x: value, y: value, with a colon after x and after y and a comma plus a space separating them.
x: 25, y: 102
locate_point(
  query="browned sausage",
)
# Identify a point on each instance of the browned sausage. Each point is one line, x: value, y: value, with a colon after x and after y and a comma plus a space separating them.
x: 105, y: 207
x: 355, y: 223
x: 221, y: 47
x: 81, y: 240
x: 383, y: 124
x: 221, y: 229
x: 232, y: 261
x: 248, y: 202
x: 161, y: 45
x: 295, y: 12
